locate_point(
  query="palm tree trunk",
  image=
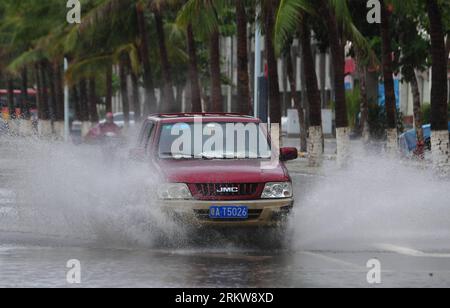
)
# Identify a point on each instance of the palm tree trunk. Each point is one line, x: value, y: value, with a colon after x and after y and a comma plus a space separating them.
x: 45, y: 114
x: 297, y: 101
x: 420, y: 149
x: 216, y: 83
x: 109, y: 90
x: 59, y: 92
x: 84, y: 101
x: 24, y: 104
x: 196, y: 101
x: 52, y: 83
x: 124, y: 88
x: 439, y: 104
x: 274, y: 87
x: 168, y: 101
x: 37, y: 78
x: 136, y: 98
x: 315, y: 145
x: 337, y: 52
x: 75, y: 98
x: 11, y: 103
x: 149, y: 88
x: 93, y: 114
x: 447, y: 46
x: 390, y: 101
x: 364, y: 104
x: 59, y: 97
x: 243, y: 86
x: 84, y: 107
x: 44, y: 125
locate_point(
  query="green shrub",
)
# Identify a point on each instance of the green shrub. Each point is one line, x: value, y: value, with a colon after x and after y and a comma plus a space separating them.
x: 426, y: 113
x: 378, y: 121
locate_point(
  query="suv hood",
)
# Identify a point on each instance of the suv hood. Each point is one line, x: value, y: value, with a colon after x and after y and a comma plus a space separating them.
x: 222, y: 171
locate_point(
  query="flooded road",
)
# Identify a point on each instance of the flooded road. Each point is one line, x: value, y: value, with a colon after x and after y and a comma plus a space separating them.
x: 59, y: 205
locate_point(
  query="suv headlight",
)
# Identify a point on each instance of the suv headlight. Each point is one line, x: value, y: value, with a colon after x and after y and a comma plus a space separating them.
x: 277, y: 190
x: 174, y: 191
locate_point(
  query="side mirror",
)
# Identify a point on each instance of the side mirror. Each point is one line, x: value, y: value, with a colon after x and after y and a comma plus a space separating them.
x: 287, y: 154
x: 137, y: 154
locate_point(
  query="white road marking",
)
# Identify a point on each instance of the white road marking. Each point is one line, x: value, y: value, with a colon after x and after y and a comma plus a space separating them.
x: 411, y: 252
x: 333, y: 260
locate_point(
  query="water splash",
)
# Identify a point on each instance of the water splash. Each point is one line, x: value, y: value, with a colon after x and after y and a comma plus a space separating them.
x: 375, y: 200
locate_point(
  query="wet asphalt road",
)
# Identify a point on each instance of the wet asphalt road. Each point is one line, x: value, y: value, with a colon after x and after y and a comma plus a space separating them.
x: 32, y: 259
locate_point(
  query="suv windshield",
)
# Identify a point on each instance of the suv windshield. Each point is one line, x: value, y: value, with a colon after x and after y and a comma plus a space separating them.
x: 213, y: 141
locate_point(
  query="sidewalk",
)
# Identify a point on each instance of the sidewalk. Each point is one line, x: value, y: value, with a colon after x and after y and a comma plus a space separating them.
x: 300, y: 165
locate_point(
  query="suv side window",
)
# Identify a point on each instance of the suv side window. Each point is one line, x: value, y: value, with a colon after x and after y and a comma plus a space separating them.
x: 145, y: 135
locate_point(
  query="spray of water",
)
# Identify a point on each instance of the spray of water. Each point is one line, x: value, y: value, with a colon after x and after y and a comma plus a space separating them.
x: 67, y: 191
x: 73, y: 193
x: 375, y: 201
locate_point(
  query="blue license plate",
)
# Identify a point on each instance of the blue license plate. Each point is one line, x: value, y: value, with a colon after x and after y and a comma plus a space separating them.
x: 228, y: 212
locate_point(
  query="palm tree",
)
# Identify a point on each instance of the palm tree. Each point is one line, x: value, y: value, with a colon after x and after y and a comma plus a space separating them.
x: 269, y: 11
x: 315, y: 144
x: 168, y: 99
x: 243, y: 86
x: 216, y: 82
x: 196, y: 101
x: 149, y: 97
x: 439, y: 104
x: 204, y: 14
x: 337, y: 45
x: 390, y: 100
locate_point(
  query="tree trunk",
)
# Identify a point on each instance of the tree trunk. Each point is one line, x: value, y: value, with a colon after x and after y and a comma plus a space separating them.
x: 447, y: 46
x: 11, y: 103
x: 390, y: 101
x: 168, y: 100
x: 84, y: 105
x: 216, y: 82
x: 93, y: 114
x: 124, y: 88
x: 59, y: 92
x: 297, y: 101
x: 439, y: 104
x: 315, y: 146
x: 274, y: 88
x: 52, y: 83
x: 45, y: 110
x: 243, y: 86
x: 24, y: 103
x: 136, y: 98
x: 150, y: 98
x: 37, y: 77
x: 75, y: 98
x: 364, y: 105
x: 337, y: 53
x: 109, y: 90
x: 420, y: 149
x: 196, y: 101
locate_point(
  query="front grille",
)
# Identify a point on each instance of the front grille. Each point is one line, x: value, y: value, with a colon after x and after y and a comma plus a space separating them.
x: 204, y: 215
x: 227, y: 191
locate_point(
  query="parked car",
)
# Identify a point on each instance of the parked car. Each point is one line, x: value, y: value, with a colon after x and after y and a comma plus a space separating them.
x: 119, y: 119
x: 239, y: 186
x: 408, y: 140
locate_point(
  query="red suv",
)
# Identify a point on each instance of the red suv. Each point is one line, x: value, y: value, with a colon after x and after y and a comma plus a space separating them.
x: 217, y: 169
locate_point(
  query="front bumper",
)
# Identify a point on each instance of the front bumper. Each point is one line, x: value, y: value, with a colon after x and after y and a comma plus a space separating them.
x: 262, y: 213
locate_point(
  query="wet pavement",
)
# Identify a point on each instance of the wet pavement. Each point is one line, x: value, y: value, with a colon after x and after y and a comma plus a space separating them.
x: 316, y: 255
